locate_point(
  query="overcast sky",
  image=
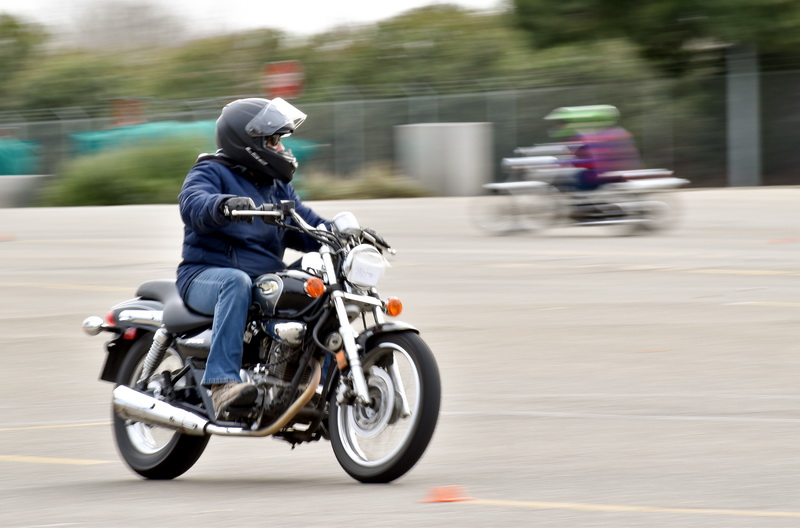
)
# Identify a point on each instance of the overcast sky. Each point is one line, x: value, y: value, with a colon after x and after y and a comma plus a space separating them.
x: 292, y: 16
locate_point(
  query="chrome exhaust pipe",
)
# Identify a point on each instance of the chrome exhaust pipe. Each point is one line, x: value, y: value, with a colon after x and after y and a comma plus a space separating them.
x: 139, y: 407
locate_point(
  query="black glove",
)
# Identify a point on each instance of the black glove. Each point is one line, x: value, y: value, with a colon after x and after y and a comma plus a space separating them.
x: 238, y: 203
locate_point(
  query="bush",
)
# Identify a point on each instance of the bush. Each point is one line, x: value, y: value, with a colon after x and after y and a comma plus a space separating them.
x: 147, y: 174
x: 374, y: 182
x: 153, y: 174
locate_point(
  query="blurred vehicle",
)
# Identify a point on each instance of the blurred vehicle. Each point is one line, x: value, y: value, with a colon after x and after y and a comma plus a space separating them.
x: 326, y: 362
x: 591, y: 178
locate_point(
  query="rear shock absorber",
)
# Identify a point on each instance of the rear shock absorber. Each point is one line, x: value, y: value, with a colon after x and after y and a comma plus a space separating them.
x: 161, y: 340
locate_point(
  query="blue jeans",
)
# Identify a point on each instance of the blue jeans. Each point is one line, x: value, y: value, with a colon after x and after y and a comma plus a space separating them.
x: 225, y: 293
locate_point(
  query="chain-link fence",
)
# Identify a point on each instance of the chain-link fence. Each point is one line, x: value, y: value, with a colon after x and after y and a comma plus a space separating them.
x: 679, y: 125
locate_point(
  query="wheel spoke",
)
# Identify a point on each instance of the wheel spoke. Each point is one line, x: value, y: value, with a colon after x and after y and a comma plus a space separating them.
x: 382, y: 442
x: 381, y: 437
x: 146, y: 438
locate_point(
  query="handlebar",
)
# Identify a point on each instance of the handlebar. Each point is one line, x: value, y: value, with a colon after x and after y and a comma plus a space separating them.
x: 272, y: 213
x: 257, y: 212
x: 281, y: 210
x: 378, y: 240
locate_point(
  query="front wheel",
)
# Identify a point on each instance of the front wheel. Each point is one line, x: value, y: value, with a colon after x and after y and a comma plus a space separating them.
x: 381, y: 442
x: 154, y: 452
x: 498, y: 213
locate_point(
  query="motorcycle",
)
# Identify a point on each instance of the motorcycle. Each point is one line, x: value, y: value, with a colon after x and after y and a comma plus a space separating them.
x: 539, y: 193
x: 326, y: 362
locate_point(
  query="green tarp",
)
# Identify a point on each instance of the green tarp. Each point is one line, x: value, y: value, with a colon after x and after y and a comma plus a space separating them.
x: 18, y: 157
x: 127, y: 136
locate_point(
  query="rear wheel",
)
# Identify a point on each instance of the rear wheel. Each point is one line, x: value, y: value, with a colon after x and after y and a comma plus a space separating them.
x: 154, y: 452
x: 662, y: 213
x: 381, y: 442
x: 656, y: 213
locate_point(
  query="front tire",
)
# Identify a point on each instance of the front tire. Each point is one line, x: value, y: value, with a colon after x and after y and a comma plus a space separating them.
x: 498, y: 213
x: 380, y: 443
x: 154, y: 452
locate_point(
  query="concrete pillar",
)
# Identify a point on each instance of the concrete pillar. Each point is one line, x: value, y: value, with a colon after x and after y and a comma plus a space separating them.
x: 450, y: 159
x: 744, y: 117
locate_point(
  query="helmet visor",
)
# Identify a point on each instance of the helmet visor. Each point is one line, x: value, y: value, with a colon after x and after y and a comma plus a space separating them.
x: 278, y: 117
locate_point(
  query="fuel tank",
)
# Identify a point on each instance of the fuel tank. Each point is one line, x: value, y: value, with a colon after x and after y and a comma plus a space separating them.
x: 282, y: 294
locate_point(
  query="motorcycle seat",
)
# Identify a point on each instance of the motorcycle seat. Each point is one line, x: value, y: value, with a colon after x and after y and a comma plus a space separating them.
x: 178, y: 317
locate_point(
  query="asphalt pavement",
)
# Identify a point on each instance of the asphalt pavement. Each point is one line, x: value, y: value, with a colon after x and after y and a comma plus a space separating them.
x: 588, y: 380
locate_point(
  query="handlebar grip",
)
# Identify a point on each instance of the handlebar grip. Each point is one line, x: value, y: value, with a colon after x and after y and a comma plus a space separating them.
x: 266, y: 209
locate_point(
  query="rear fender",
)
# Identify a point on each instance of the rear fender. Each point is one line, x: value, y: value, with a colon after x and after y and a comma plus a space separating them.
x: 138, y: 313
x: 115, y: 354
x: 117, y: 348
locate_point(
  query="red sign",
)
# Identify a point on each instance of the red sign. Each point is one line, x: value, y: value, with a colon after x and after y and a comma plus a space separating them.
x: 283, y: 79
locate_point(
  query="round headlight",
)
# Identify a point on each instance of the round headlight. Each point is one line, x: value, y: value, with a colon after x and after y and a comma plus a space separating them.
x: 364, y: 266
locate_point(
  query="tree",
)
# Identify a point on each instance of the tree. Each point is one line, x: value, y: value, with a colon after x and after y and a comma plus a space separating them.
x: 18, y: 42
x: 126, y: 24
x: 668, y: 32
x: 66, y: 80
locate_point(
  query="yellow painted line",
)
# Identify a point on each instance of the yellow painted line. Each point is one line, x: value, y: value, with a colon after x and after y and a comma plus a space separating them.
x: 742, y: 272
x: 649, y: 268
x: 58, y: 426
x: 49, y: 460
x: 643, y: 509
x: 765, y: 303
x: 712, y: 271
x: 57, y: 286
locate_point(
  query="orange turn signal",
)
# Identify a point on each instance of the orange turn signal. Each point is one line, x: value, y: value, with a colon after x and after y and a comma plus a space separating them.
x: 315, y: 287
x: 394, y: 306
x: 341, y: 360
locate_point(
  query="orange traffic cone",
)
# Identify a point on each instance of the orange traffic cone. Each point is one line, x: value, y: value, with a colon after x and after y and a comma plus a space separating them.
x: 446, y: 494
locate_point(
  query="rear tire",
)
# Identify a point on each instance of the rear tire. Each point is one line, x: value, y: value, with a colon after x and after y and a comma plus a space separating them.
x: 663, y: 215
x: 154, y: 452
x: 379, y: 444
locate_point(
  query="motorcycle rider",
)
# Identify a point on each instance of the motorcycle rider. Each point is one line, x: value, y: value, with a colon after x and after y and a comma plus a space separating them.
x: 222, y: 254
x: 599, y: 145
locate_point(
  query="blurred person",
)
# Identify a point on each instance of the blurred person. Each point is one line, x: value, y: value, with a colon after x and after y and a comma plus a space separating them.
x: 599, y: 145
x: 222, y: 253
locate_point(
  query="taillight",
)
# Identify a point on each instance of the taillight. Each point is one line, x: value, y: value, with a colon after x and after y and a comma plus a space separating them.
x: 110, y: 321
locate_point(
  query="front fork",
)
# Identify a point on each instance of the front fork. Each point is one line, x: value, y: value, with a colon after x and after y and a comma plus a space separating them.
x: 347, y: 331
x: 348, y: 334
x: 351, y: 350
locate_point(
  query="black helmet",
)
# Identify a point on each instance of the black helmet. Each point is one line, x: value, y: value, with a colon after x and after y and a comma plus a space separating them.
x: 245, y: 126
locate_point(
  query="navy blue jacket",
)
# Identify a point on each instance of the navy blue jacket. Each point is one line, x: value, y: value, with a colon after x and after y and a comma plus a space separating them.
x: 211, y: 240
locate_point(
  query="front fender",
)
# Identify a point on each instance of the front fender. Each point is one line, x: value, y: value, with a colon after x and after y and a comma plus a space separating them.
x: 385, y: 328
